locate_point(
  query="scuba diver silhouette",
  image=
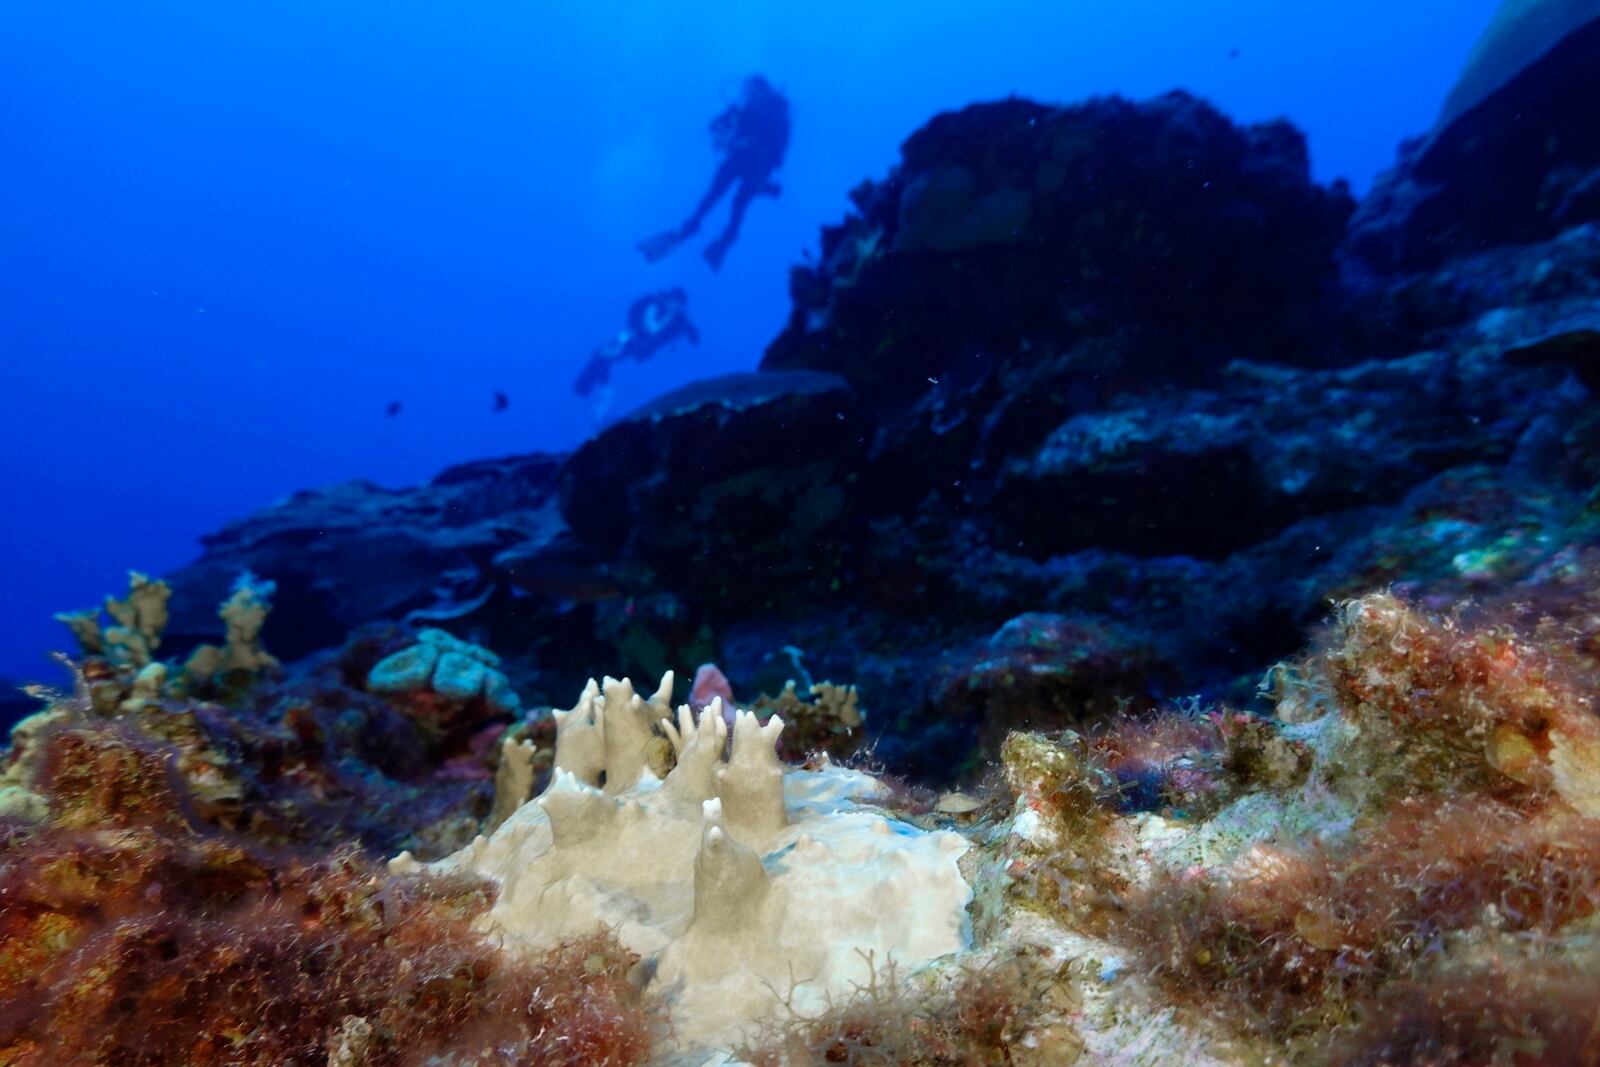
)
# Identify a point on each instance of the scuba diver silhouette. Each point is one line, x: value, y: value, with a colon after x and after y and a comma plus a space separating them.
x: 752, y: 135
x: 655, y: 320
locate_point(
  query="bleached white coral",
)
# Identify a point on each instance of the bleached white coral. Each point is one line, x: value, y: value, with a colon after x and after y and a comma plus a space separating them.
x: 513, y: 778
x: 608, y: 736
x: 741, y: 884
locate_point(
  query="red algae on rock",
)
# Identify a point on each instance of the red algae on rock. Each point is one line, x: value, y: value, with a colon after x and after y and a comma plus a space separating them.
x: 1402, y: 866
x: 182, y: 882
x: 1480, y: 704
x: 130, y: 937
x: 305, y: 757
x: 1436, y: 861
x: 974, y: 1019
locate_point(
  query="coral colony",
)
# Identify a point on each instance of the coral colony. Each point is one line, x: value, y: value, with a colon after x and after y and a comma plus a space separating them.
x: 1214, y: 650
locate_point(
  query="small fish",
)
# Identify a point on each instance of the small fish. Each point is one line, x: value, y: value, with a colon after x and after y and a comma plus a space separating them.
x: 501, y: 402
x: 1233, y: 53
x: 393, y: 409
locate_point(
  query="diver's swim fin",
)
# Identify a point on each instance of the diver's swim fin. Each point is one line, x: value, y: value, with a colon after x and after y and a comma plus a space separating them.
x: 661, y: 245
x: 715, y: 253
x: 595, y: 374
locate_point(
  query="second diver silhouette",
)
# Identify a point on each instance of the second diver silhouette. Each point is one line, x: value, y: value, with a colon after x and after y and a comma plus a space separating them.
x: 752, y: 135
x: 655, y: 320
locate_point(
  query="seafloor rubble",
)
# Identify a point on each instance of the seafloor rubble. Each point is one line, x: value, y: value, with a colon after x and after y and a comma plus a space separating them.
x: 1214, y: 559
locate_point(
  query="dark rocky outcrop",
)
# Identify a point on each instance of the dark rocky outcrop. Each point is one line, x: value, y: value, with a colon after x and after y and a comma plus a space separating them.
x: 355, y: 553
x: 1017, y: 230
x: 731, y: 492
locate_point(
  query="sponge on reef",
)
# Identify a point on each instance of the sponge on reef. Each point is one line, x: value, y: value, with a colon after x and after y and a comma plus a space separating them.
x: 452, y: 668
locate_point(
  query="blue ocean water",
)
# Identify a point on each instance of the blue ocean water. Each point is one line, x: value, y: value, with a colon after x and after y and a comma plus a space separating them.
x: 233, y: 235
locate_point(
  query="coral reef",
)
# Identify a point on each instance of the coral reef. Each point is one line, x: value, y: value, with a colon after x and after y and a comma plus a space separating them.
x: 306, y: 756
x: 731, y: 877
x: 140, y: 617
x: 830, y: 724
x: 452, y: 669
x: 241, y: 656
x: 154, y: 910
x: 709, y: 682
x: 1087, y: 414
x: 1403, y: 863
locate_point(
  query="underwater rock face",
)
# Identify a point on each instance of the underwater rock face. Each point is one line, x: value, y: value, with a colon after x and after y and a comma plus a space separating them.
x: 355, y: 553
x: 751, y: 473
x: 1146, y: 474
x: 1522, y: 33
x: 1516, y: 290
x: 1042, y: 667
x: 1516, y: 156
x: 1014, y: 226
